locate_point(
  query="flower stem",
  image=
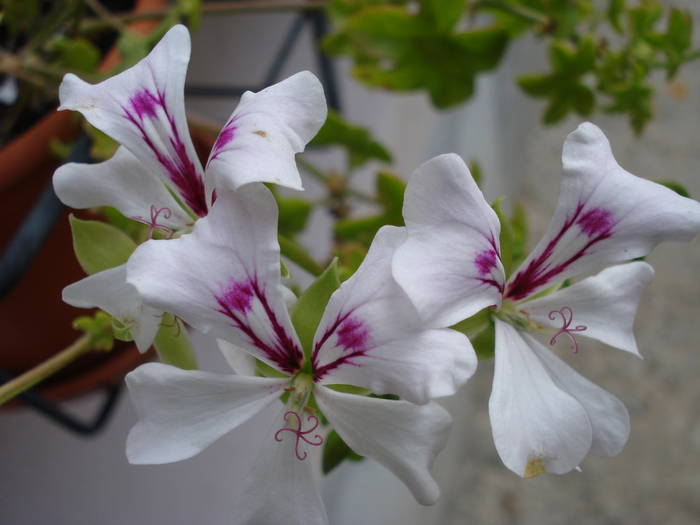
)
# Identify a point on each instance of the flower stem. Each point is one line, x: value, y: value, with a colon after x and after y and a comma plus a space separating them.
x: 523, y: 13
x: 49, y: 367
x: 297, y: 254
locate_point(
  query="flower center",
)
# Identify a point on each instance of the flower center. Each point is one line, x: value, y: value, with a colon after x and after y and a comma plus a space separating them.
x: 152, y: 223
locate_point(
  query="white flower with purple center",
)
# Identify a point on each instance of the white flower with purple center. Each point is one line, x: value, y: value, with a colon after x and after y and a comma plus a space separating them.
x: 545, y: 417
x: 223, y: 278
x: 155, y: 177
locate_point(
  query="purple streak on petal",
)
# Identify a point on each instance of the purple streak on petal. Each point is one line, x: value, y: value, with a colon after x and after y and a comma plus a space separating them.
x: 236, y: 302
x: 226, y: 135
x: 352, y: 336
x: 595, y: 222
x: 485, y: 261
x: 539, y: 272
x: 180, y: 168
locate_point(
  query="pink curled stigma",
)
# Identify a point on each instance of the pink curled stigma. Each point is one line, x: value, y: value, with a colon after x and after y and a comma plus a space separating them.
x: 301, y: 434
x: 153, y: 222
x: 567, y: 315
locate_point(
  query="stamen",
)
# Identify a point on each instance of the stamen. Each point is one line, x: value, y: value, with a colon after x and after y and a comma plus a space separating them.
x: 567, y: 315
x: 294, y: 425
x: 153, y: 222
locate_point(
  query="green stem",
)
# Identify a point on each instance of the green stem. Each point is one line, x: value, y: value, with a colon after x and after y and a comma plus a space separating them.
x: 173, y: 344
x: 49, y: 367
x: 318, y: 174
x: 523, y: 13
x: 298, y: 255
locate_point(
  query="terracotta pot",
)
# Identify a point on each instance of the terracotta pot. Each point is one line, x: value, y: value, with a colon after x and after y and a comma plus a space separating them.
x: 34, y: 322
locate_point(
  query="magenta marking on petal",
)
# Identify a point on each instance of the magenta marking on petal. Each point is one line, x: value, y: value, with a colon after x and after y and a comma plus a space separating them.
x: 485, y: 261
x: 567, y: 316
x: 236, y: 302
x: 180, y: 168
x: 539, y: 271
x: 152, y: 223
x: 595, y: 222
x: 226, y: 135
x: 352, y: 335
x: 294, y: 425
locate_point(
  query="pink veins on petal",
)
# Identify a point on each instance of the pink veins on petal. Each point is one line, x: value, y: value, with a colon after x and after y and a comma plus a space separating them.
x: 596, y: 224
x: 352, y: 337
x: 485, y: 261
x: 181, y: 169
x: 567, y: 316
x: 294, y: 425
x: 236, y: 302
x: 225, y: 136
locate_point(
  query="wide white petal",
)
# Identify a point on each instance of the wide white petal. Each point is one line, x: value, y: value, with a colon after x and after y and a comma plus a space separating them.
x: 604, y: 215
x: 224, y: 277
x: 143, y: 108
x: 608, y: 416
x: 537, y: 426
x: 182, y: 412
x: 267, y: 129
x: 450, y: 265
x: 605, y: 305
x: 370, y: 335
x: 279, y: 489
x: 109, y: 291
x: 403, y: 437
x: 123, y: 182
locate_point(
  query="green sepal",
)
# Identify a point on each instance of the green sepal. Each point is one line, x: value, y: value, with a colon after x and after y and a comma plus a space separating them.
x: 675, y: 186
x: 335, y: 450
x: 309, y: 308
x: 121, y: 331
x: 484, y: 342
x: 506, y: 237
x: 99, y: 328
x: 173, y: 344
x: 475, y: 324
x: 98, y: 245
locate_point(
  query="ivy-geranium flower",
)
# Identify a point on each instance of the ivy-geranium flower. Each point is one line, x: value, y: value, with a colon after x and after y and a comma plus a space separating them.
x: 155, y: 177
x: 545, y: 417
x: 224, y: 280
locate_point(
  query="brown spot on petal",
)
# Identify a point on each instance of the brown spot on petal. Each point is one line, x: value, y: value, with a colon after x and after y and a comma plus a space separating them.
x: 260, y: 132
x: 534, y: 468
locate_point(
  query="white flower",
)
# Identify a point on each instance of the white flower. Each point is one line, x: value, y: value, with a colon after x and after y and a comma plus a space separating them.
x: 544, y: 416
x: 155, y: 176
x: 224, y: 280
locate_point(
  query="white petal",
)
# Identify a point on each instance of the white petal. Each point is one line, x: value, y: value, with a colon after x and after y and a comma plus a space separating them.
x: 280, y: 489
x: 450, y: 265
x: 123, y: 182
x: 605, y: 305
x: 240, y: 361
x: 608, y: 416
x: 182, y: 412
x: 267, y: 129
x: 403, y: 437
x: 109, y: 291
x: 224, y: 277
x: 604, y: 215
x: 143, y: 108
x: 371, y: 336
x: 537, y: 427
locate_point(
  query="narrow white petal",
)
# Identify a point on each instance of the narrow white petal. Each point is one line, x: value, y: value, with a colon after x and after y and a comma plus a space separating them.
x: 109, y: 291
x: 123, y: 182
x: 143, y: 108
x: 224, y: 277
x: 608, y: 416
x: 280, y: 488
x: 240, y: 361
x: 371, y: 335
x: 182, y: 412
x: 450, y: 265
x: 604, y: 305
x: 604, y: 215
x: 537, y: 426
x: 267, y: 129
x: 403, y: 437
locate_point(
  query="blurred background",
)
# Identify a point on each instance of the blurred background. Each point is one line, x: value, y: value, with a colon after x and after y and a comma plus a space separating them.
x: 51, y: 475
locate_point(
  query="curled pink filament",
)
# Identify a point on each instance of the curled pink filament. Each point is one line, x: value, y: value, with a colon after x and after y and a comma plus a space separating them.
x: 294, y: 425
x: 153, y: 222
x: 567, y: 315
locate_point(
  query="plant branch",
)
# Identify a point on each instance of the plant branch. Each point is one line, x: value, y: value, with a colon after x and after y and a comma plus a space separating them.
x: 40, y: 372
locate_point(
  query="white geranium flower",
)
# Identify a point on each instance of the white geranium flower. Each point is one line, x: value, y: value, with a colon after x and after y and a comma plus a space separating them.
x: 155, y: 176
x: 224, y: 280
x: 545, y: 417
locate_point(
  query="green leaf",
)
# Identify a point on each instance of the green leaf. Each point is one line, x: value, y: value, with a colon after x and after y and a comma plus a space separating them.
x: 19, y: 15
x: 335, y: 451
x: 309, y: 308
x: 75, y: 54
x: 675, y: 186
x: 357, y: 141
x: 484, y: 342
x: 360, y: 230
x: 583, y: 99
x: 506, y: 238
x: 98, y: 245
x: 298, y: 255
x: 293, y: 215
x: 173, y: 344
x: 537, y: 85
x: 519, y: 228
x: 475, y: 324
x: 615, y: 10
x: 443, y: 13
x: 556, y: 110
x: 192, y: 10
x: 390, y: 192
x: 98, y: 328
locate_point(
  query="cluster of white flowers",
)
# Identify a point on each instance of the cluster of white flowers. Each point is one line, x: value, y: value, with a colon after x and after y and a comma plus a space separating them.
x: 385, y: 329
